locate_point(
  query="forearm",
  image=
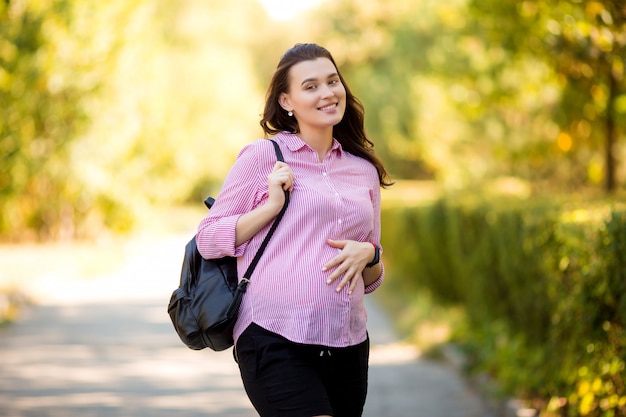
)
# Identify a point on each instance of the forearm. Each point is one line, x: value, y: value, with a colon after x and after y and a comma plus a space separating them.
x: 371, y: 274
x: 251, y: 222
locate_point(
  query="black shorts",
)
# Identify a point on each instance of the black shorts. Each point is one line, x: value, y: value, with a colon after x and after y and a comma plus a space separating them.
x: 286, y: 379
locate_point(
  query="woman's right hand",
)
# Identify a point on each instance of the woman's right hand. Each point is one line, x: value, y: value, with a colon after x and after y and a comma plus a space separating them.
x: 250, y: 223
x: 279, y: 180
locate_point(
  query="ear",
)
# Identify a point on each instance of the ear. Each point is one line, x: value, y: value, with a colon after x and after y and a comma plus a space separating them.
x: 284, y: 102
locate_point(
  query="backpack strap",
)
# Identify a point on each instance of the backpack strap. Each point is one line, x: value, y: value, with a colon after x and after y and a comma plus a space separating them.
x: 246, y: 276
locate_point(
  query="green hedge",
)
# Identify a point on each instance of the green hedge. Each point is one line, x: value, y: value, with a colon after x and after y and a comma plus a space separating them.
x: 542, y: 286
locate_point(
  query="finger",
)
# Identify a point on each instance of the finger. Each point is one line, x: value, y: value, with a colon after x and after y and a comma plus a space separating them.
x: 336, y: 274
x: 282, y: 178
x: 278, y: 165
x: 286, y: 178
x: 347, y: 279
x: 339, y: 244
x: 349, y: 283
x: 352, y: 286
x: 341, y: 285
x: 288, y: 183
x: 335, y: 261
x: 340, y: 269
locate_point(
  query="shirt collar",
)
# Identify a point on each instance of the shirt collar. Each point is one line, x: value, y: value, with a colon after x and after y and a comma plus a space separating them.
x: 295, y: 143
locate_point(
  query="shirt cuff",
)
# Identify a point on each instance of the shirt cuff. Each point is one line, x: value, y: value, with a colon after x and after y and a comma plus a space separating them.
x: 222, y: 237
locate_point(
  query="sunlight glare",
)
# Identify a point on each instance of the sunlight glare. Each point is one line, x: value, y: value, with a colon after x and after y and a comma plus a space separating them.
x: 287, y: 9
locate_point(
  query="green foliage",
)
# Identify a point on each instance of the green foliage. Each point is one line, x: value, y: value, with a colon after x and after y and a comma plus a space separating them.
x: 42, y: 114
x: 468, y: 90
x: 542, y: 286
x: 584, y: 45
x: 110, y: 108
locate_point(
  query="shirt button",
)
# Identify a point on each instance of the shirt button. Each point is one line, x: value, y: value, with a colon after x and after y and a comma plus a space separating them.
x: 324, y: 174
x: 340, y: 221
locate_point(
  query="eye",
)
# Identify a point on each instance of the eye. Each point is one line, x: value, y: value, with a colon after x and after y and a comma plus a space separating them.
x: 311, y: 87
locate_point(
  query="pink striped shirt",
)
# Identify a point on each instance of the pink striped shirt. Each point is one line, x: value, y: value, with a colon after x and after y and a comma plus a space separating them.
x: 338, y: 199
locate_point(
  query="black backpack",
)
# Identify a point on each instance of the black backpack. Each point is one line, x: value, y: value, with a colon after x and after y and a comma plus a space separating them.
x: 204, y: 307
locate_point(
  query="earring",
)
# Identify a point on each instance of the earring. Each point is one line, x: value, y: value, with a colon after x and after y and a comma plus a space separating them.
x: 289, y: 113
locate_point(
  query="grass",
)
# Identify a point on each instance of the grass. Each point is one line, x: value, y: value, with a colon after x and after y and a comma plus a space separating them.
x: 418, y: 319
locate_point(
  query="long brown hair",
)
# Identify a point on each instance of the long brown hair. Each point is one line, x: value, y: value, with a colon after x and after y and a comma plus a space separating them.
x: 350, y: 131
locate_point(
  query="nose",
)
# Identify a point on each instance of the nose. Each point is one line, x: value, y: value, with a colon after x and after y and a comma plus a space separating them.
x: 327, y: 92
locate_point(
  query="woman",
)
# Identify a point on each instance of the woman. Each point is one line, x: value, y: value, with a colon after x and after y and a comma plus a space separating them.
x: 300, y: 338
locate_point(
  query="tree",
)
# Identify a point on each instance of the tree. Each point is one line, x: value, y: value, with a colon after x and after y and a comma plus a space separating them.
x: 588, y: 44
x: 478, y: 89
x: 42, y: 114
x: 584, y: 42
x: 111, y: 107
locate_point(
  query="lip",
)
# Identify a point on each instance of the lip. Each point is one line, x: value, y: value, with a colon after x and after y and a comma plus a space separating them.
x: 328, y: 107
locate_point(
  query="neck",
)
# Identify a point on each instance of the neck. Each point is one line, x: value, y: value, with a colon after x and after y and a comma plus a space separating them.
x: 319, y: 141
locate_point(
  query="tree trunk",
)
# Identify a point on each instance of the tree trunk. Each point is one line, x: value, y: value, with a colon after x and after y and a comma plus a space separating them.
x: 611, y: 133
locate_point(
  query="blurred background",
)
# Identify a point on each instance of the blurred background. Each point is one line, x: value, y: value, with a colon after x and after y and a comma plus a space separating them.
x: 503, y: 123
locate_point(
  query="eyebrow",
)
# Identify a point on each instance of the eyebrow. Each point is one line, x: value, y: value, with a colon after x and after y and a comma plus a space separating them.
x: 308, y: 80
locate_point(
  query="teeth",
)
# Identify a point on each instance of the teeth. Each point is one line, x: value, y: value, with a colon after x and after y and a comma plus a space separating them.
x: 329, y: 107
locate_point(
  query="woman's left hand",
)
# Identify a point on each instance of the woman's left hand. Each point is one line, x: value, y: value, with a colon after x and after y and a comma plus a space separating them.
x: 349, y: 263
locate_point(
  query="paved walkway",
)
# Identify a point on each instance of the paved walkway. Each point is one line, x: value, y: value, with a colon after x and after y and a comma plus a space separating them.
x: 106, y: 348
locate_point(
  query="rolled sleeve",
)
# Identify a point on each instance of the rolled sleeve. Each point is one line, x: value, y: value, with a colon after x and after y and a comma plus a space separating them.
x: 218, y: 239
x: 241, y: 191
x: 376, y: 230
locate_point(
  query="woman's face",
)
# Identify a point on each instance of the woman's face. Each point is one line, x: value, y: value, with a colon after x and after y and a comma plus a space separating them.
x: 316, y: 95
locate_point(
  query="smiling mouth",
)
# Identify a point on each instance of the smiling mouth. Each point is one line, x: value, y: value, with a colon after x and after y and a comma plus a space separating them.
x: 329, y: 107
